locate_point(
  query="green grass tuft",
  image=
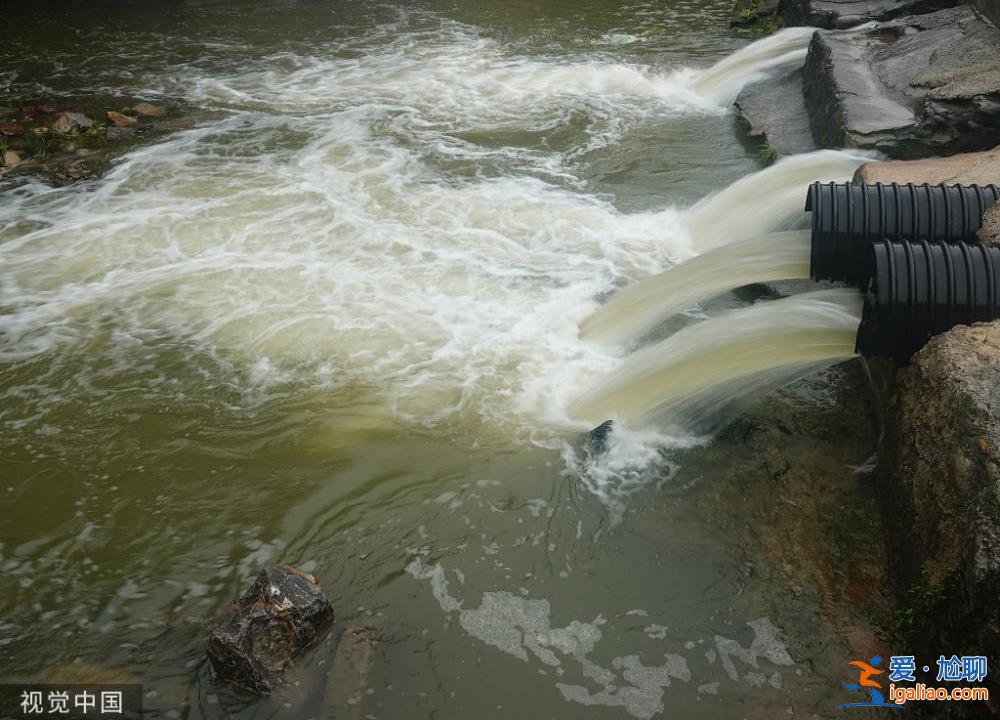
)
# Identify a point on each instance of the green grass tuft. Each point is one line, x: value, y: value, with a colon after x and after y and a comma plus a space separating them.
x: 766, y: 155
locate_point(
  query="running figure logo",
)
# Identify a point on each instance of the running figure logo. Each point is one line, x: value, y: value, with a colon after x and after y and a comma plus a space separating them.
x: 875, y: 696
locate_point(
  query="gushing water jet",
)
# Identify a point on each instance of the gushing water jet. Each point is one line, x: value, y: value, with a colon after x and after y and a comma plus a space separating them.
x: 700, y: 369
x: 768, y: 200
x: 639, y: 308
x: 784, y: 50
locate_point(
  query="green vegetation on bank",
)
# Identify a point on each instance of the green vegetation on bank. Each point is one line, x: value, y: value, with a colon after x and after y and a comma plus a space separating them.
x: 766, y: 155
x: 918, y: 606
x: 756, y: 18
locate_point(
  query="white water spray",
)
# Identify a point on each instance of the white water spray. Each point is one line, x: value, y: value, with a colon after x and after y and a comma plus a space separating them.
x: 639, y: 308
x: 709, y: 366
x: 449, y: 74
x: 313, y: 231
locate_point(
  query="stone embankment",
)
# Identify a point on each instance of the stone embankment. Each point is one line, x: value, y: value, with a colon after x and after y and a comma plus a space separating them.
x: 830, y: 14
x: 981, y: 168
x: 922, y: 80
x: 921, y: 85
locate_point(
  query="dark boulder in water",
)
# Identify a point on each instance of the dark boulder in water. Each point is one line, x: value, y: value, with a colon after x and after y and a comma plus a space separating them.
x: 280, y: 615
x: 599, y: 437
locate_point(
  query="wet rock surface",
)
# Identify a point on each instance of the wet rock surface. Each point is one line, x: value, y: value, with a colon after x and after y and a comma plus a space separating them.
x: 352, y: 665
x: 72, y: 122
x: 336, y: 677
x: 773, y: 112
x: 847, y: 13
x: 940, y: 488
x: 145, y: 109
x: 918, y: 86
x: 980, y: 168
x: 280, y: 615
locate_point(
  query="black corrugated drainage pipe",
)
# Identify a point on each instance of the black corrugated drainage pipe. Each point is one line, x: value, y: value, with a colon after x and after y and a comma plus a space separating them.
x: 914, y: 290
x: 848, y: 217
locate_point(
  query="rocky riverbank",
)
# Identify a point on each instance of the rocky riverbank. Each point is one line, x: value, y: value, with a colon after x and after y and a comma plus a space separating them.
x: 938, y: 477
x: 63, y: 141
x: 937, y: 482
x: 920, y: 84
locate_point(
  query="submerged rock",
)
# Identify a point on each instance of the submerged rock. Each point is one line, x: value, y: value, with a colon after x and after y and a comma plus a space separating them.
x: 278, y: 617
x: 72, y: 122
x: 940, y: 486
x: 119, y: 120
x: 847, y: 13
x: 12, y: 128
x: 50, y: 139
x: 66, y: 172
x: 352, y: 665
x: 599, y: 437
x: 922, y: 85
x: 115, y: 133
x: 748, y: 12
x: 145, y: 109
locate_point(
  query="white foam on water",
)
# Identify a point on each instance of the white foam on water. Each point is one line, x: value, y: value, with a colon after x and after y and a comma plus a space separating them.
x: 628, y: 461
x: 308, y: 234
x: 521, y: 627
x: 451, y: 73
x: 345, y: 258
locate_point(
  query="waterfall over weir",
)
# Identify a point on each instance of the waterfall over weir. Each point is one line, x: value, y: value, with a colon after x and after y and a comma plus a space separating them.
x: 785, y: 50
x: 707, y: 367
x: 638, y: 308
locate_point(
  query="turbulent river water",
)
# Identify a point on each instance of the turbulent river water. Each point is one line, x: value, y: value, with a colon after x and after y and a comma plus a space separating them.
x: 336, y: 324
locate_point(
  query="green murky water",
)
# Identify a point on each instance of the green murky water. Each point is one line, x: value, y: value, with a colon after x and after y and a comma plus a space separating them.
x: 334, y: 324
